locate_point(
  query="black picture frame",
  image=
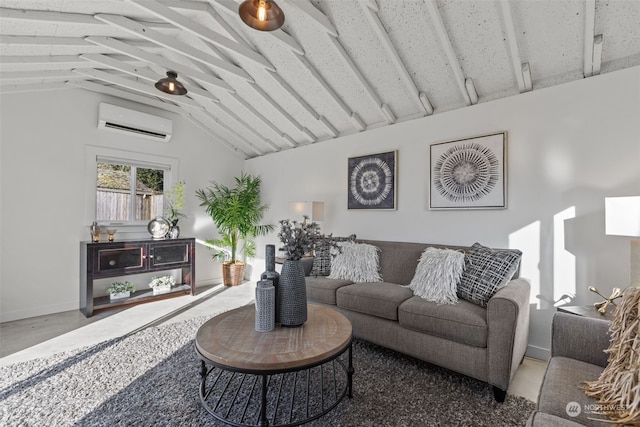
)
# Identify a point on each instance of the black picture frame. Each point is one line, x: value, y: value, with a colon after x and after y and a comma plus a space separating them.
x: 371, y: 181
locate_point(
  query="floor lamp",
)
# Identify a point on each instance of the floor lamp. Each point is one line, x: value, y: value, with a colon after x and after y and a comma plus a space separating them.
x: 623, y: 219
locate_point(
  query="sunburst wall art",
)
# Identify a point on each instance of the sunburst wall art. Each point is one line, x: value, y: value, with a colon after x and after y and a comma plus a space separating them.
x: 372, y: 181
x: 469, y: 173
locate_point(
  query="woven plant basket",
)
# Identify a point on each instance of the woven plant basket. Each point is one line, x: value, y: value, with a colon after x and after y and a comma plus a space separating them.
x: 232, y: 274
x: 618, y: 388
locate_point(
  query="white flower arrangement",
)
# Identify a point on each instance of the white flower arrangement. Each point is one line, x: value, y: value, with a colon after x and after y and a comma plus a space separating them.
x: 121, y: 287
x: 162, y: 282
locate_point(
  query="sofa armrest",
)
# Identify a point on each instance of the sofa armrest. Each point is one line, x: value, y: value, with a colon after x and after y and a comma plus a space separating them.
x: 508, y: 324
x: 581, y: 338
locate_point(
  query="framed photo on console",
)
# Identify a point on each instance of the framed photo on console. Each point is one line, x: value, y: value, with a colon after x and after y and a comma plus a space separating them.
x: 371, y: 181
x: 469, y: 173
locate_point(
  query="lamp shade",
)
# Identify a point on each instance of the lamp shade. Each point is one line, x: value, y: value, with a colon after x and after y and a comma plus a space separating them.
x: 314, y: 211
x: 171, y: 85
x: 622, y: 216
x: 263, y: 15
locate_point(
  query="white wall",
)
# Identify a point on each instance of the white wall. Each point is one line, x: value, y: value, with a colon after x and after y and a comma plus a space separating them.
x: 569, y: 147
x: 43, y: 201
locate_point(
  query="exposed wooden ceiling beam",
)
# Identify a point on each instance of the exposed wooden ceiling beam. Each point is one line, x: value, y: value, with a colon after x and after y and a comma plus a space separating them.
x: 231, y: 9
x: 447, y: 46
x: 141, y: 72
x: 387, y: 44
x: 161, y: 61
x: 31, y: 87
x: 172, y: 44
x: 65, y: 18
x: 202, y: 32
x: 127, y: 95
x: 589, y: 29
x: 72, y: 61
x: 136, y: 86
x: 514, y: 50
x: 206, y: 117
x: 317, y: 17
x: 234, y: 148
x: 37, y: 75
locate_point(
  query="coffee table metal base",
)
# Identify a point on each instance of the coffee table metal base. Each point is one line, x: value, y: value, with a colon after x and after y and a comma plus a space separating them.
x: 281, y: 398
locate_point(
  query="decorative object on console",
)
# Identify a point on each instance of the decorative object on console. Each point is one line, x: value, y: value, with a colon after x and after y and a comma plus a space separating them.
x: 162, y: 284
x: 618, y: 385
x: 297, y: 239
x: 158, y: 228
x: 372, y: 181
x: 623, y: 219
x: 175, y: 198
x: 273, y: 276
x: 486, y: 271
x: 237, y: 213
x: 602, y: 306
x: 357, y: 262
x: 95, y: 231
x: 310, y: 211
x: 322, y: 260
x: 262, y: 15
x: 265, y: 306
x: 469, y: 173
x: 437, y: 275
x: 119, y: 290
x: 111, y: 232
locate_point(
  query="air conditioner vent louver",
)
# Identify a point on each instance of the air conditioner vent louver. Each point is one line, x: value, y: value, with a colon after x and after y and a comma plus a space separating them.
x: 124, y: 120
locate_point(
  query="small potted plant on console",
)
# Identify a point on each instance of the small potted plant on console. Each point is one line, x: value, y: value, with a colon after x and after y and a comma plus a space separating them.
x: 120, y: 290
x: 162, y: 284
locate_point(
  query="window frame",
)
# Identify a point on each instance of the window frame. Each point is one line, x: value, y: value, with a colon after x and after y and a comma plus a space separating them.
x: 95, y: 155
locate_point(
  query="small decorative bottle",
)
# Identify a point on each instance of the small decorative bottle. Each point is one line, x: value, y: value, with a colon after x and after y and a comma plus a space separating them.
x: 272, y: 274
x: 265, y: 306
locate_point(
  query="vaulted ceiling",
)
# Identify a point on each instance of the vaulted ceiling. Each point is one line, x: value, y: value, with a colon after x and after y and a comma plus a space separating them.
x: 335, y: 68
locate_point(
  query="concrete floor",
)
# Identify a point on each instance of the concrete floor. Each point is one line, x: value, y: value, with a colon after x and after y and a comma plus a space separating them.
x: 46, y: 335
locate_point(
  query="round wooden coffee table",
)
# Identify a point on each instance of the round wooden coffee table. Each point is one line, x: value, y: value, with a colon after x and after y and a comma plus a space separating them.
x: 285, y: 377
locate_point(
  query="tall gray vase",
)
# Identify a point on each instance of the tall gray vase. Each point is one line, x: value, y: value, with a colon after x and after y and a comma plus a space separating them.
x: 292, y: 294
x: 273, y: 275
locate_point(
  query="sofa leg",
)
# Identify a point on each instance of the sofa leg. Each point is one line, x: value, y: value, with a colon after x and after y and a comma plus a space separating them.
x: 499, y: 394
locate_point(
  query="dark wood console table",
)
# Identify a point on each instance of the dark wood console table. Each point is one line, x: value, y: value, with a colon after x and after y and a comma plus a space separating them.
x: 126, y: 257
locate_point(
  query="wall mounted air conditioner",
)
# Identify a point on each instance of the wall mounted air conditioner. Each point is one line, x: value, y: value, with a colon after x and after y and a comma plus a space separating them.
x: 124, y: 120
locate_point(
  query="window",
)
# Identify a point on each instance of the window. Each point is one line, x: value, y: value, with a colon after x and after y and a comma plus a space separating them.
x: 127, y: 188
x: 127, y: 192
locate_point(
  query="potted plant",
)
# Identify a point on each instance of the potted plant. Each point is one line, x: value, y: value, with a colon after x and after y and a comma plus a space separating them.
x: 236, y: 212
x: 119, y: 290
x: 162, y: 284
x: 175, y: 198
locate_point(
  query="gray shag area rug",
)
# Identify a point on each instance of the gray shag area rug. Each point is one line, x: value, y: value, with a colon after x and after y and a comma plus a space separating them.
x: 152, y: 378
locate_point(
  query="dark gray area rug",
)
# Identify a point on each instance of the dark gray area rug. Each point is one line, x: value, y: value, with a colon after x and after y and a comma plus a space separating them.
x: 152, y: 377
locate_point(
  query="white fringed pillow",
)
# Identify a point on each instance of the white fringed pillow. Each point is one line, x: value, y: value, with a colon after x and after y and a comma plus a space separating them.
x: 437, y: 275
x: 357, y: 262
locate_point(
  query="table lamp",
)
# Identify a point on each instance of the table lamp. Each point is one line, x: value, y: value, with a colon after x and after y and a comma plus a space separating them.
x: 313, y: 211
x: 622, y: 218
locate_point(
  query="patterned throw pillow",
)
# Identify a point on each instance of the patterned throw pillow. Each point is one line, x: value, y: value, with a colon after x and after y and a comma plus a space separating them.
x: 358, y: 262
x: 437, y: 275
x: 322, y: 260
x: 486, y: 271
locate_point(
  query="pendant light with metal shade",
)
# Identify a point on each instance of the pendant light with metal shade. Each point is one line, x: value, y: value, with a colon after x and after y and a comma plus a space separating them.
x: 263, y: 15
x: 171, y: 85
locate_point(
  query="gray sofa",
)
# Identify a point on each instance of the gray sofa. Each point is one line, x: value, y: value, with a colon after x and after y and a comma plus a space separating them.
x: 484, y: 343
x: 577, y: 355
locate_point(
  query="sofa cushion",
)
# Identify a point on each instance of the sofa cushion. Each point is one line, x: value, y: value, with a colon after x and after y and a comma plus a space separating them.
x: 358, y: 262
x: 562, y: 385
x: 540, y: 419
x: 322, y: 289
x: 464, y: 322
x: 437, y: 275
x: 486, y: 271
x: 322, y: 260
x: 379, y: 299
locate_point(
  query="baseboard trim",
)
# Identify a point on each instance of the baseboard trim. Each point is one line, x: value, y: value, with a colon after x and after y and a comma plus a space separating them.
x: 536, y: 352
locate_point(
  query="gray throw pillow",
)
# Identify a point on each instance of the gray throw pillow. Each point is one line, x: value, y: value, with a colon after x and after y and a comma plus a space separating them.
x: 322, y: 260
x: 486, y: 270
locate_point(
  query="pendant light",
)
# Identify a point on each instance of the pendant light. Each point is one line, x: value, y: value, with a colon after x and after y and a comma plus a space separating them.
x: 171, y: 85
x: 263, y: 15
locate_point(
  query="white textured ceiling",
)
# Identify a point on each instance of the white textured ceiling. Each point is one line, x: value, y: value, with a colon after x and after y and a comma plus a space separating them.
x: 336, y: 67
